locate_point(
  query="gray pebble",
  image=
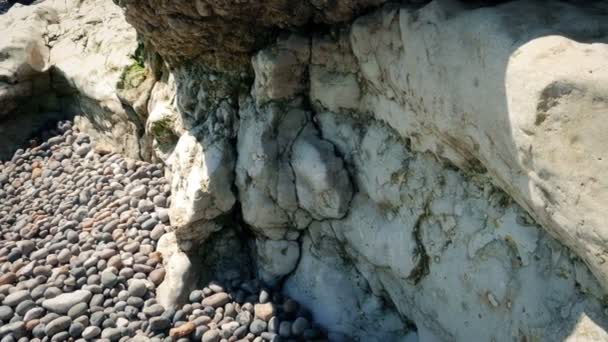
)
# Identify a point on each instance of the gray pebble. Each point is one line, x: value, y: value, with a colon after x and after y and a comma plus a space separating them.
x: 299, y: 325
x: 112, y: 334
x: 57, y: 325
x: 91, y: 332
x: 285, y: 329
x: 76, y: 329
x: 137, y: 288
x: 16, y: 297
x: 211, y: 336
x: 257, y: 326
x: 6, y: 312
x: 158, y: 324
x: 78, y: 310
x: 108, y: 278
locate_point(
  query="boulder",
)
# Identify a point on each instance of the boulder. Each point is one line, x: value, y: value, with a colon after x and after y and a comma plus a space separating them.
x: 202, y: 175
x: 179, y: 278
x: 525, y: 105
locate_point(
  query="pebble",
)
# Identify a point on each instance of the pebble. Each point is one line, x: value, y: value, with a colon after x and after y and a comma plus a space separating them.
x: 91, y: 332
x: 83, y: 150
x: 76, y: 329
x: 78, y: 310
x: 264, y: 311
x: 196, y: 296
x: 14, y: 328
x: 183, y: 330
x: 285, y: 329
x: 16, y: 297
x: 211, y: 336
x: 154, y: 310
x: 138, y: 288
x: 6, y: 313
x: 79, y: 260
x: 299, y: 326
x: 108, y: 279
x: 112, y: 334
x: 138, y: 191
x: 264, y: 297
x: 149, y: 224
x: 159, y: 324
x: 257, y: 326
x: 57, y: 325
x: 157, y: 276
x: 8, y: 278
x: 61, y: 304
x: 216, y: 300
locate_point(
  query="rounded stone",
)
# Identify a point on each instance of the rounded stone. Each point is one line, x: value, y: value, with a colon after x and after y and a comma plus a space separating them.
x: 138, y: 288
x: 211, y: 336
x: 257, y: 326
x: 91, y: 332
x: 78, y: 310
x: 57, y: 325
x: 299, y: 325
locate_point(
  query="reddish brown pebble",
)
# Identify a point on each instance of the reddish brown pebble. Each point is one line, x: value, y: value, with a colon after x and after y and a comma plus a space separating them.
x: 8, y: 278
x: 183, y: 330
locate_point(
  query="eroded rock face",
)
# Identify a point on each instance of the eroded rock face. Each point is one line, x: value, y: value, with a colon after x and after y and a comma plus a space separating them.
x: 229, y: 30
x: 452, y: 242
x: 541, y: 113
x: 276, y: 259
x: 325, y: 283
x: 77, y: 58
x: 423, y: 235
x: 322, y: 184
x: 263, y: 174
x: 25, y: 57
x: 26, y: 102
x: 202, y: 179
x: 93, y: 53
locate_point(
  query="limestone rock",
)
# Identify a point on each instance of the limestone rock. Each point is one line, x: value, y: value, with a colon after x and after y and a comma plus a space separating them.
x: 73, y: 57
x: 263, y: 174
x: 181, y: 31
x: 179, y: 278
x: 276, y: 259
x: 202, y: 175
x: 164, y: 124
x: 25, y: 56
x: 26, y: 102
x: 326, y: 284
x: 322, y: 183
x: 419, y: 228
x: 532, y: 125
x: 90, y: 60
x: 280, y: 70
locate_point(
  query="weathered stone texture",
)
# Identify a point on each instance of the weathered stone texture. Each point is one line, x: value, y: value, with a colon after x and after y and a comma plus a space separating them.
x: 230, y: 30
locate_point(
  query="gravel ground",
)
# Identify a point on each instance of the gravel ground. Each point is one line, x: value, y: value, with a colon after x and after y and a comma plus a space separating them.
x: 78, y: 260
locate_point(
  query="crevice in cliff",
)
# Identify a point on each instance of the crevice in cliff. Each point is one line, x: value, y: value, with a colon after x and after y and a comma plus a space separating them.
x: 423, y: 265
